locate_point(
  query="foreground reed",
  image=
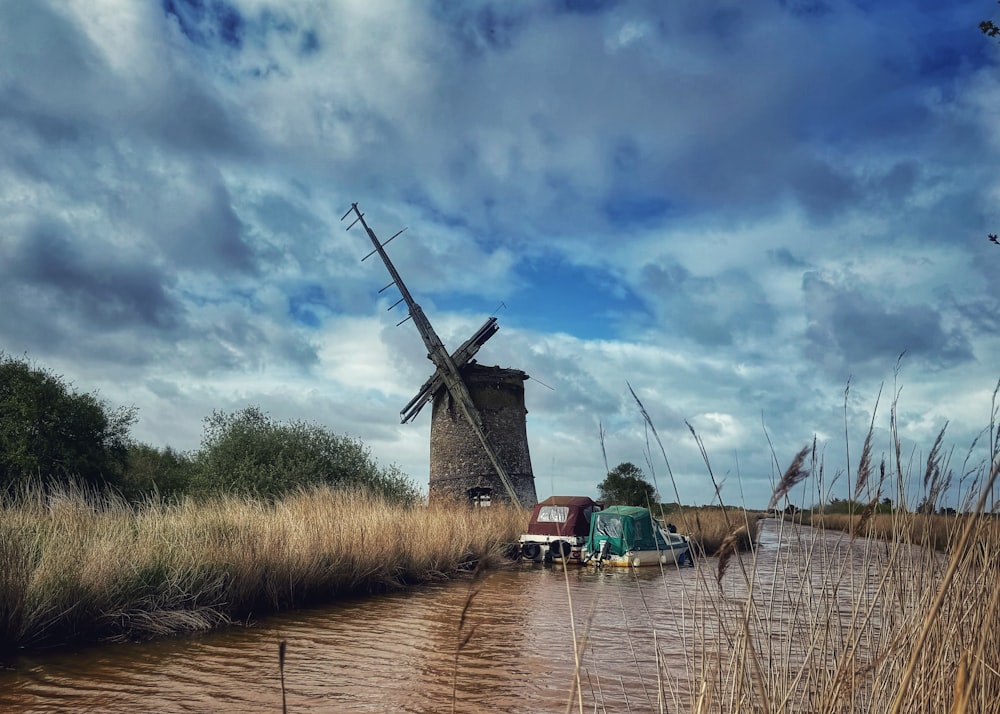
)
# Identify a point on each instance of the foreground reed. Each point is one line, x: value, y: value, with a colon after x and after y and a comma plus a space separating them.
x: 818, y: 620
x: 76, y: 566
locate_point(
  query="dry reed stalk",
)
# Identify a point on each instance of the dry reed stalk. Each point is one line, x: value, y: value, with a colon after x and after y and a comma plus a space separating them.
x: 794, y: 474
x: 858, y: 528
x: 663, y: 452
x: 949, y: 576
x: 865, y: 464
x: 727, y: 550
x: 962, y: 685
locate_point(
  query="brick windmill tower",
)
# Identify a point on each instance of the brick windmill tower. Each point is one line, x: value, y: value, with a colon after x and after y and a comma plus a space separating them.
x: 479, y: 442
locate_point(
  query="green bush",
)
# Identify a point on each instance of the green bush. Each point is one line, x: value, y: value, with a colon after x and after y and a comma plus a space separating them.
x: 247, y: 452
x: 51, y: 433
x: 149, y: 470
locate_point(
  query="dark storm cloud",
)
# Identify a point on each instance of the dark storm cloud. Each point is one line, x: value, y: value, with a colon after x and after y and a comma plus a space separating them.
x: 46, y: 60
x: 482, y: 27
x: 198, y: 227
x: 47, y: 270
x: 823, y: 190
x: 239, y: 342
x: 785, y: 258
x: 983, y: 314
x: 850, y: 330
x: 192, y: 118
x: 712, y: 310
x: 58, y: 84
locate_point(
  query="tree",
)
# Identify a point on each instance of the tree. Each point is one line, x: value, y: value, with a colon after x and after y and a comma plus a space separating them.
x: 149, y: 470
x: 49, y: 432
x: 247, y: 452
x: 626, y: 485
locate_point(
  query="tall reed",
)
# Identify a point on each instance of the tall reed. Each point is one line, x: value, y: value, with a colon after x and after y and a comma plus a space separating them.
x: 829, y: 621
x: 78, y: 566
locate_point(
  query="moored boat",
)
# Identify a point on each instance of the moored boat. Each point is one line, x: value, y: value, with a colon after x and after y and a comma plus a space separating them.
x: 558, y: 529
x: 629, y: 536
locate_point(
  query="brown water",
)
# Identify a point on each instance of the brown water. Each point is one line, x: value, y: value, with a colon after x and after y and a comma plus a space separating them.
x: 400, y: 652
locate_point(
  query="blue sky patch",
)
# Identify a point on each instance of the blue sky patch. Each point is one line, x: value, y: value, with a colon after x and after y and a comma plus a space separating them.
x: 561, y: 297
x: 202, y: 20
x: 307, y: 305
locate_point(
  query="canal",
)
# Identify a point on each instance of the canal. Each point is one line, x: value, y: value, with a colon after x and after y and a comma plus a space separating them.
x: 501, y: 643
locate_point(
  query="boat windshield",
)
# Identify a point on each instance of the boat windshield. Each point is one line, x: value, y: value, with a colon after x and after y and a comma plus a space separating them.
x: 553, y: 514
x: 608, y: 525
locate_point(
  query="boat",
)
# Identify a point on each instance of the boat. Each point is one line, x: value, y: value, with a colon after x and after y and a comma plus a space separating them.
x: 558, y: 529
x: 629, y: 536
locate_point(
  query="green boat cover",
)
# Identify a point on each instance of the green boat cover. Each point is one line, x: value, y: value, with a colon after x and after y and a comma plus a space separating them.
x: 627, y: 528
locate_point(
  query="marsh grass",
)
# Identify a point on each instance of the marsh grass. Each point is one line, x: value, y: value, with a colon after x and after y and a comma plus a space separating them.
x: 940, y: 532
x: 79, y: 566
x: 711, y: 528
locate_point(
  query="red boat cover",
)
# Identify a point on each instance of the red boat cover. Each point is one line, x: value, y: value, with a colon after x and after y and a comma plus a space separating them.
x: 563, y: 515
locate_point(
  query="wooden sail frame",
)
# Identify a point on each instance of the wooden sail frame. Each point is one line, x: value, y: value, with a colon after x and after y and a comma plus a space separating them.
x: 448, y: 365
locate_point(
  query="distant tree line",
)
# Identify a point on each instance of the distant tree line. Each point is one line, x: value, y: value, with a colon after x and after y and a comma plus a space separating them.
x: 50, y: 434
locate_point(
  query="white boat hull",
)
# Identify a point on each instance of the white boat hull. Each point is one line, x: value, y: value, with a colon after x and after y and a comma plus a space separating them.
x: 676, y: 553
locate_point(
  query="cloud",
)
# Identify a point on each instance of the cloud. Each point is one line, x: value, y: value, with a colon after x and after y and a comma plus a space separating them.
x: 849, y: 328
x: 732, y: 208
x: 713, y: 311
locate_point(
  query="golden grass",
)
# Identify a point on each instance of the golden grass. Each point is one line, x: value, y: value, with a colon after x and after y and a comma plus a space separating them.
x: 75, y: 566
x: 940, y: 532
x: 710, y: 527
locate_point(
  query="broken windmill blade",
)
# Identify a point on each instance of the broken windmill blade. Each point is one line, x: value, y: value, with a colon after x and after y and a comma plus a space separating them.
x: 448, y: 374
x: 461, y: 357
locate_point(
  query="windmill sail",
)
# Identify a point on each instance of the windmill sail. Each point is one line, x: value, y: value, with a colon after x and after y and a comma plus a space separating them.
x: 447, y: 373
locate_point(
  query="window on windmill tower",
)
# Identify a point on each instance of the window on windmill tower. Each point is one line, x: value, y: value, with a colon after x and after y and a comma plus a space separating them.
x: 481, y: 496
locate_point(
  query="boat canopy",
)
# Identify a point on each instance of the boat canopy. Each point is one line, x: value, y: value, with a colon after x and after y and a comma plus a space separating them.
x: 563, y: 516
x: 626, y: 528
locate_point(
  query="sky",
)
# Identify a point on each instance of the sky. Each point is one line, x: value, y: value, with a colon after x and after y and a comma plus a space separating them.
x: 744, y: 212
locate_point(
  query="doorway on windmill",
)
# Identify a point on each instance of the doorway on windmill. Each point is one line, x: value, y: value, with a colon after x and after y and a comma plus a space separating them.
x: 481, y: 496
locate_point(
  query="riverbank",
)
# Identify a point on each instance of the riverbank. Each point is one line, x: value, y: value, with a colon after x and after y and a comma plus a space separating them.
x: 712, y: 527
x: 77, y: 567
x: 937, y: 531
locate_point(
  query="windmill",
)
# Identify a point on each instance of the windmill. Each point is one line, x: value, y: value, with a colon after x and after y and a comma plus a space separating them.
x: 451, y: 389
